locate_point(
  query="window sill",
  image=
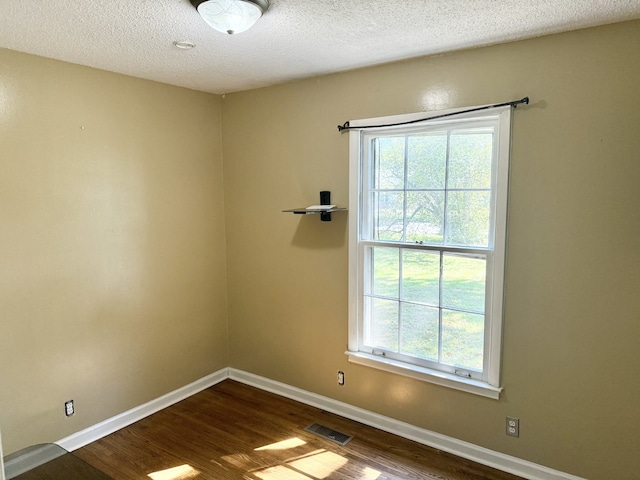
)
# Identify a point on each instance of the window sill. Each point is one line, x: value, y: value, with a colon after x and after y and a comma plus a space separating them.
x: 439, y: 378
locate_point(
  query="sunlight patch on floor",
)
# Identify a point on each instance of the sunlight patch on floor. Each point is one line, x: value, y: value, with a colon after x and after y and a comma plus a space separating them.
x: 317, y: 465
x: 183, y: 472
x: 370, y: 473
x: 321, y: 465
x: 280, y: 472
x: 286, y: 460
x: 283, y: 445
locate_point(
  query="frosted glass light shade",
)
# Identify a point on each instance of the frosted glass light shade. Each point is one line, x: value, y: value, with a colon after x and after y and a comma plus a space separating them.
x: 231, y: 16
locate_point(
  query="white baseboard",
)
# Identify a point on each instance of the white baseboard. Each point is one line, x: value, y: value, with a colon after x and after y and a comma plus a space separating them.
x: 484, y: 456
x: 102, y: 429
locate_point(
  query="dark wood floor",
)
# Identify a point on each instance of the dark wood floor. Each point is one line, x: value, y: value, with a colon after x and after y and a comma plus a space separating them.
x: 234, y: 431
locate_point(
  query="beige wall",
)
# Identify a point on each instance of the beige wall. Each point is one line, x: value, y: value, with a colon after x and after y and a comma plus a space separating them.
x: 112, y: 265
x: 570, y: 359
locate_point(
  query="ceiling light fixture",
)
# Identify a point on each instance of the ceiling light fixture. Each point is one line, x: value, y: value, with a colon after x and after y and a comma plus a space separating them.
x: 231, y: 16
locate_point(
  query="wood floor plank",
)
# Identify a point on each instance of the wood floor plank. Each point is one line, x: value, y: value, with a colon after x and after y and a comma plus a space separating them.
x: 234, y: 431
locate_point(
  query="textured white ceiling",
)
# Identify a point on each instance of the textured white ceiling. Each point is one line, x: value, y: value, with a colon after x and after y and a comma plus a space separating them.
x: 294, y: 39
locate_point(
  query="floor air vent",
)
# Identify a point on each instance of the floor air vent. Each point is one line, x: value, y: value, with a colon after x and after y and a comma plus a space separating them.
x: 329, y: 434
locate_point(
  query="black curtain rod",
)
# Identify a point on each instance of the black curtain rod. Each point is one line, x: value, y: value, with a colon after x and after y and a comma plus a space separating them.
x: 513, y: 103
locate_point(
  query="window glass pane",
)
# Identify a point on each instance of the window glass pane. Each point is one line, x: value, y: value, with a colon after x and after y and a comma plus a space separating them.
x: 421, y: 276
x: 388, y: 169
x: 386, y: 272
x: 388, y: 214
x: 463, y: 282
x: 419, y: 331
x: 381, y: 331
x: 426, y: 161
x: 462, y: 339
x: 425, y: 217
x: 470, y: 157
x: 468, y: 215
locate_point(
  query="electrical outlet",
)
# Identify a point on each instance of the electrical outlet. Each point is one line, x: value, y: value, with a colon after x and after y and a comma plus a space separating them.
x: 69, y: 408
x: 513, y: 427
x: 340, y: 377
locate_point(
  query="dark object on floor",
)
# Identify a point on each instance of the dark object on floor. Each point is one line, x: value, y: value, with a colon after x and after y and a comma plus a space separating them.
x: 49, y: 462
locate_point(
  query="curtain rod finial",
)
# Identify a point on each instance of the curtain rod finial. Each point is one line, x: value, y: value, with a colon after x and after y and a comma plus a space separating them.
x: 344, y: 126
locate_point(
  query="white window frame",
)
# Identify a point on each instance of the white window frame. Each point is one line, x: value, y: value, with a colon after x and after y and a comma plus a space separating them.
x: 489, y: 384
